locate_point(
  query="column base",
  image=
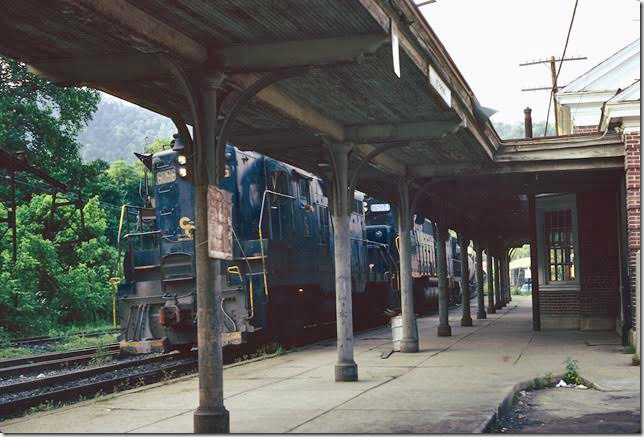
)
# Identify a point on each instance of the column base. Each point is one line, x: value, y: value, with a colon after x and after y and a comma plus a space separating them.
x: 444, y: 331
x: 498, y: 306
x: 481, y: 315
x: 491, y: 310
x: 408, y: 345
x: 466, y: 321
x: 208, y: 421
x: 347, y: 372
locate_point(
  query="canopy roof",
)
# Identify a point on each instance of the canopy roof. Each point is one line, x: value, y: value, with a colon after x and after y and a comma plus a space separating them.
x: 337, y: 81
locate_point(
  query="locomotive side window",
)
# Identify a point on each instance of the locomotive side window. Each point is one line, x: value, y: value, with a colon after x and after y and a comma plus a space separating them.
x: 305, y: 194
x: 279, y: 183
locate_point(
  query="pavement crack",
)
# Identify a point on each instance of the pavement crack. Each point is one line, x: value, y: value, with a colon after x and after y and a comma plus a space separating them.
x: 524, y: 349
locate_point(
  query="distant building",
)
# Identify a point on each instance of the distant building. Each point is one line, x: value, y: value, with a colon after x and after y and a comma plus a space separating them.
x: 580, y: 104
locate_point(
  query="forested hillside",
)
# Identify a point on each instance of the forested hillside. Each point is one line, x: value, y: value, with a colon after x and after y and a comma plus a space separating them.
x: 117, y: 129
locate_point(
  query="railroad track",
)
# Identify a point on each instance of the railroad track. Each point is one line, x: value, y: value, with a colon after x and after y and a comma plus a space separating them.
x: 20, y: 396
x: 37, y: 363
x: 27, y: 341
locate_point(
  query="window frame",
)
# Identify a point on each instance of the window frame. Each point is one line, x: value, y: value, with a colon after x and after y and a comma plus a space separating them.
x: 552, y: 203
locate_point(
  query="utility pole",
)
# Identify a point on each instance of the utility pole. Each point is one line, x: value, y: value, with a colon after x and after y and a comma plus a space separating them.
x: 554, y: 88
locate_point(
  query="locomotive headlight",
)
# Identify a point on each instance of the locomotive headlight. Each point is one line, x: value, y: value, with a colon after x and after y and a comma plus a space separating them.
x: 183, y: 172
x: 181, y: 160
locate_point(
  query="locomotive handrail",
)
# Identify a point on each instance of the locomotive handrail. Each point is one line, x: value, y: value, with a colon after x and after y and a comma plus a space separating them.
x: 251, y: 291
x: 261, y: 238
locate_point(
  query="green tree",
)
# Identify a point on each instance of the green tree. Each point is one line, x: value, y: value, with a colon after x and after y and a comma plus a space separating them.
x: 42, y: 118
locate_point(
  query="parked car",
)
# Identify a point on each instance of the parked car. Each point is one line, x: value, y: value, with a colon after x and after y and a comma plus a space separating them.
x: 526, y: 289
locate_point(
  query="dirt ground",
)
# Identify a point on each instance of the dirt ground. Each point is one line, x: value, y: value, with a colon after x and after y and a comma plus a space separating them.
x: 572, y: 410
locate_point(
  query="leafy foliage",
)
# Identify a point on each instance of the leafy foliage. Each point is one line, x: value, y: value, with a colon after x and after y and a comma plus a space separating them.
x: 43, y: 119
x: 65, y: 257
x: 517, y: 130
x: 572, y: 372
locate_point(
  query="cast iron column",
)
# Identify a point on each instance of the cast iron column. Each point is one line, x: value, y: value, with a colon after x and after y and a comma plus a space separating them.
x: 345, y: 369
x: 491, y: 308
x: 409, y: 341
x: 534, y: 264
x: 211, y: 416
x: 497, y: 283
x: 440, y: 236
x: 506, y: 274
x: 466, y: 320
x: 480, y: 314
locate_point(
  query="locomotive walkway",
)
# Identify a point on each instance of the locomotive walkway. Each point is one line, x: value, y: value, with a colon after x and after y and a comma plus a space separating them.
x: 454, y: 384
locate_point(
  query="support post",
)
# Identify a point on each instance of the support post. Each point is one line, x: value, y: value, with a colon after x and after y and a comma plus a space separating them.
x: 13, y: 216
x: 345, y: 369
x: 497, y: 283
x: 491, y: 308
x: 480, y: 313
x: 502, y: 284
x: 466, y: 320
x: 409, y: 341
x: 534, y: 264
x: 440, y: 236
x: 507, y: 276
x: 211, y: 416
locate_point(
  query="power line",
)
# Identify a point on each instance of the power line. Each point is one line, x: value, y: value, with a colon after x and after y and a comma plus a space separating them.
x: 572, y: 20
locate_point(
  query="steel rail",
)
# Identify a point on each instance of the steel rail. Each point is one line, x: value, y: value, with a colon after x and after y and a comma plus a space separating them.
x: 84, y: 373
x: 46, y: 339
x: 15, y: 406
x: 45, y: 365
x: 11, y: 362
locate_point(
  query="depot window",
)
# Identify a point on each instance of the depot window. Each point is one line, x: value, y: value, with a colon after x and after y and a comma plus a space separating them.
x: 557, y: 240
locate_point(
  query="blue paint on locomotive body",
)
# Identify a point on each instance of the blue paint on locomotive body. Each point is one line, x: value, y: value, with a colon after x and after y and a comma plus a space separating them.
x: 282, y: 244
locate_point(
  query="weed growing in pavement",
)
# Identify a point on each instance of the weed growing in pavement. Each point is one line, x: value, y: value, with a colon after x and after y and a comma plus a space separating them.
x: 537, y: 383
x: 549, y: 379
x: 167, y: 375
x: 636, y: 360
x: 572, y: 372
x: 45, y: 406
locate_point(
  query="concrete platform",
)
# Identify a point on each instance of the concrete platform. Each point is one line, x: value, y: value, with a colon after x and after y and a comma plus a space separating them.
x: 454, y: 384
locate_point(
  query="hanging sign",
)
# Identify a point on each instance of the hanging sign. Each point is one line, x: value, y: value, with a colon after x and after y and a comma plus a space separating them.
x: 220, y: 223
x: 440, y: 86
x: 395, y: 49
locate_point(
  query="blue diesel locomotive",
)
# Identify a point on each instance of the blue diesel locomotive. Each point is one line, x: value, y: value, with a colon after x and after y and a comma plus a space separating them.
x: 281, y: 279
x: 382, y: 230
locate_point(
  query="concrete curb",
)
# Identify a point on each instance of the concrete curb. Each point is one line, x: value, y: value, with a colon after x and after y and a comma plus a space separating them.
x: 506, y: 404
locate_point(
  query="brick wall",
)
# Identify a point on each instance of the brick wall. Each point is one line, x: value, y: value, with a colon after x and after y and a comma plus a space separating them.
x: 596, y: 304
x: 584, y: 129
x: 599, y: 254
x: 559, y: 302
x: 632, y: 170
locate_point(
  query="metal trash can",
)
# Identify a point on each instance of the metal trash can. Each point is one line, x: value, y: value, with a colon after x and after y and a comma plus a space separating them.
x: 397, y: 331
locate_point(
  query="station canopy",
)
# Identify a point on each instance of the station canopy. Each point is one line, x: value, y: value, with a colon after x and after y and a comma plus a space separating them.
x: 335, y: 61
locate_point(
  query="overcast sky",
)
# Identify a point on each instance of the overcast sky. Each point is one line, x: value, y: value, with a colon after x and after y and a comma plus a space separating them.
x: 488, y: 39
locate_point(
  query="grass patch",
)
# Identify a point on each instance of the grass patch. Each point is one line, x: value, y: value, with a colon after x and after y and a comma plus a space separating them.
x: 15, y: 352
x: 75, y: 342
x: 539, y: 383
x: 629, y: 349
x: 73, y: 330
